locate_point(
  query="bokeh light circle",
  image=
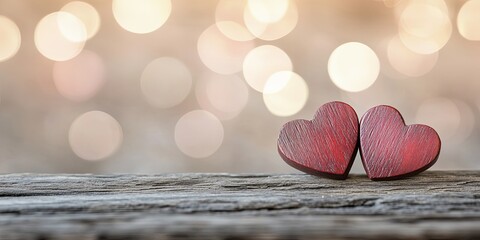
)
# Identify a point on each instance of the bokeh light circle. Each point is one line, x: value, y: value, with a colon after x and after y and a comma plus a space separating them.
x: 221, y: 54
x: 71, y: 27
x: 229, y: 20
x: 141, y: 16
x: 79, y: 78
x: 391, y: 3
x: 95, y: 135
x: 268, y: 11
x: 234, y: 31
x: 60, y: 36
x: 223, y: 95
x: 263, y: 61
x: 166, y: 82
x: 10, y: 39
x: 86, y: 13
x: 274, y: 30
x: 468, y: 20
x: 285, y: 93
x: 199, y: 134
x: 424, y: 28
x: 353, y: 67
x: 408, y: 62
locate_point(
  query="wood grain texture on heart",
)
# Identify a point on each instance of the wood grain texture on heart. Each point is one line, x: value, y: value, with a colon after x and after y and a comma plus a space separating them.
x: 325, y: 146
x: 390, y: 149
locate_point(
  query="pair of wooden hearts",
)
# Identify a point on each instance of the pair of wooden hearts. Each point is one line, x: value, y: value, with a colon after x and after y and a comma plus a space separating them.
x: 327, y: 145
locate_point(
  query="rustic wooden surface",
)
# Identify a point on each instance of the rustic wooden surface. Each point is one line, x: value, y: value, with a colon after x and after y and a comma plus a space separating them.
x: 432, y: 205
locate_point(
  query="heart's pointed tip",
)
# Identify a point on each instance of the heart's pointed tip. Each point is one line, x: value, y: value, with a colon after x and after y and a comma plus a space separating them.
x: 312, y: 171
x: 393, y: 178
x: 389, y: 178
x: 328, y: 175
x: 315, y: 172
x: 401, y: 176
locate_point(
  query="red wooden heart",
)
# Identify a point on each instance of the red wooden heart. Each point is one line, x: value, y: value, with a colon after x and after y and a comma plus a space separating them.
x: 325, y: 146
x: 392, y: 150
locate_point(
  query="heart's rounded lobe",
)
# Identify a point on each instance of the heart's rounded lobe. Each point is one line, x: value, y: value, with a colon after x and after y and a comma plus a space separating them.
x: 392, y: 150
x: 325, y: 146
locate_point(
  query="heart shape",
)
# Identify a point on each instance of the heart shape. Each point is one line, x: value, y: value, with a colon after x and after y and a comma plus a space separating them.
x: 392, y: 150
x: 325, y: 146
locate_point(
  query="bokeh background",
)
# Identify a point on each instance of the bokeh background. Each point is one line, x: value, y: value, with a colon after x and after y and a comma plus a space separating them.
x: 155, y: 86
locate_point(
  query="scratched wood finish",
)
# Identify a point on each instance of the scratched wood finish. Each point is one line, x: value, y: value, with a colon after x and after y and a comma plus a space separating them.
x: 325, y: 146
x: 392, y: 150
x: 432, y: 205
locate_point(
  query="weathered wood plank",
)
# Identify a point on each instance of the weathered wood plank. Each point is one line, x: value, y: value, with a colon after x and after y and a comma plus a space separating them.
x: 224, y: 206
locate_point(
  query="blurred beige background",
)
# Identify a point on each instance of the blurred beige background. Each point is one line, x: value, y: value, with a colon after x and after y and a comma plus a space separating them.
x: 107, y: 87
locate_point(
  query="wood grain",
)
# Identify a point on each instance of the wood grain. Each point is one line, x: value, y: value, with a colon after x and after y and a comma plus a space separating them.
x: 392, y: 150
x: 432, y: 205
x: 325, y: 146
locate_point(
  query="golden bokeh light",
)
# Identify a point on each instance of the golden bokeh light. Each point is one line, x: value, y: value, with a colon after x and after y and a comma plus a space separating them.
x: 86, y: 13
x: 141, y: 16
x: 60, y: 36
x: 401, y: 5
x: 245, y: 66
x: 199, y: 134
x: 166, y: 82
x: 353, y: 67
x: 95, y: 135
x: 229, y: 20
x: 71, y: 27
x: 221, y: 54
x: 223, y: 95
x: 391, y: 3
x: 268, y: 11
x: 262, y: 62
x: 80, y: 78
x: 285, y: 93
x: 234, y: 31
x: 269, y: 31
x: 424, y: 28
x: 468, y: 20
x: 408, y: 62
x: 10, y: 39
